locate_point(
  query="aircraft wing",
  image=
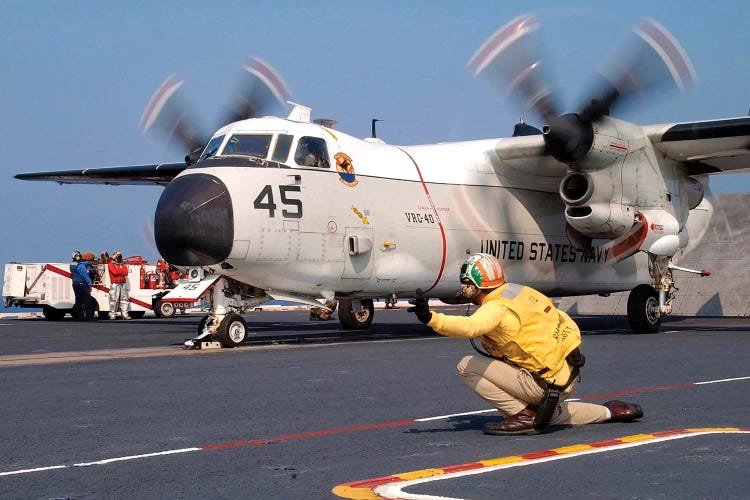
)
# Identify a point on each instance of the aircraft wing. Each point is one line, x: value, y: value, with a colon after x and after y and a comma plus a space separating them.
x: 520, y: 148
x: 523, y: 159
x: 159, y: 174
x: 706, y: 147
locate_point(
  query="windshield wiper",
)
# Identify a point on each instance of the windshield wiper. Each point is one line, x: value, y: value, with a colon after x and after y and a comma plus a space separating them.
x: 208, y: 154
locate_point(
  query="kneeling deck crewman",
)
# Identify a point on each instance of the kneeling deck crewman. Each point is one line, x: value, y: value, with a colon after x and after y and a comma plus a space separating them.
x: 533, y: 348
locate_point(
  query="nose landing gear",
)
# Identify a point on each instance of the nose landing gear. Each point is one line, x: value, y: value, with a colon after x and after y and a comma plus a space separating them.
x: 227, y: 299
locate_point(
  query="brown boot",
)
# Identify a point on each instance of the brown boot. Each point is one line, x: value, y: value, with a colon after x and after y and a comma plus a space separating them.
x: 623, y: 412
x: 520, y: 423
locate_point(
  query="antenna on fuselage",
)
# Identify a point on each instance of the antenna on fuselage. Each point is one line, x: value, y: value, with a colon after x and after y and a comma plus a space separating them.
x: 374, y: 135
x: 299, y: 113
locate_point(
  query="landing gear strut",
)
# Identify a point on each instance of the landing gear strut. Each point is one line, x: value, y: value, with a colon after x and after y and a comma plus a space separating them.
x: 390, y: 302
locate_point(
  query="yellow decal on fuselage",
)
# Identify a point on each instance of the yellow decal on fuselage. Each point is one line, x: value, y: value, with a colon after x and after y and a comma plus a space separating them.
x: 360, y: 215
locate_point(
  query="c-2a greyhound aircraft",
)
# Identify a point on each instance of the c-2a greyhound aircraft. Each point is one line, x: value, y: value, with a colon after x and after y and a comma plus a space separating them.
x: 271, y: 208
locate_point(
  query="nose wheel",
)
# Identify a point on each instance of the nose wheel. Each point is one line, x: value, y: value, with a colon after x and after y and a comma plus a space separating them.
x: 232, y: 330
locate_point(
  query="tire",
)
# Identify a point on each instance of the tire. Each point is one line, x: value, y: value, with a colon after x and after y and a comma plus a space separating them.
x: 351, y: 320
x: 52, y: 314
x: 137, y: 314
x: 643, y: 310
x: 232, y: 330
x: 164, y: 309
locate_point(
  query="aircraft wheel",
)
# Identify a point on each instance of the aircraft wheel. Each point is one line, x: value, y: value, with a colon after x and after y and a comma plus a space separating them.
x: 644, y: 315
x: 164, y: 309
x: 359, y: 320
x: 52, y: 314
x: 232, y: 330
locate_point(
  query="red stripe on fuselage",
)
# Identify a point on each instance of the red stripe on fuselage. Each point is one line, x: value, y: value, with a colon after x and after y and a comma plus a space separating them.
x: 437, y: 217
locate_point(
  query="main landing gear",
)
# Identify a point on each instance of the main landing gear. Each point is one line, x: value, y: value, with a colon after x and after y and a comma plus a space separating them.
x: 648, y: 304
x: 356, y: 314
x: 644, y: 315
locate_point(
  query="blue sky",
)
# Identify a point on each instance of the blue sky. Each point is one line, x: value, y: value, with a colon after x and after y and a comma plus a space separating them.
x: 75, y: 77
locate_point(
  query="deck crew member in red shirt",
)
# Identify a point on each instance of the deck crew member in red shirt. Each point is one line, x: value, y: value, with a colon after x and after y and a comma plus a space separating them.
x: 118, y: 287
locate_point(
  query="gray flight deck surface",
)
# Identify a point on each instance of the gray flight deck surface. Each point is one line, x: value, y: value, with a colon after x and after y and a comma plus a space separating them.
x: 118, y: 410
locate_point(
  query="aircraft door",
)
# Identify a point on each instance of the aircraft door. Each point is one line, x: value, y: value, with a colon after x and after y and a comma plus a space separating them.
x: 358, y: 253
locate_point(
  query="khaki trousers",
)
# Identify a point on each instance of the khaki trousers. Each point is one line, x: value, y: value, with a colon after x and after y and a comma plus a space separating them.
x: 511, y: 389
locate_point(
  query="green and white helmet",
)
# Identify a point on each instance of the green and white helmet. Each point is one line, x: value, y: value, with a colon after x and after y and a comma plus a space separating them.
x: 483, y: 270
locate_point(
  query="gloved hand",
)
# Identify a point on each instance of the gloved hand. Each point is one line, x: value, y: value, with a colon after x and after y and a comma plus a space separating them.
x: 421, y: 307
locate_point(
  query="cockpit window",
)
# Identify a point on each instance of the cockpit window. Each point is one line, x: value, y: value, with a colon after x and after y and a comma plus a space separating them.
x: 248, y: 145
x: 213, y: 146
x: 312, y: 152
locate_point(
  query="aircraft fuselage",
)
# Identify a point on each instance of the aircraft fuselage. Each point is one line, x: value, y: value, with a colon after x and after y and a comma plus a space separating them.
x: 385, y: 219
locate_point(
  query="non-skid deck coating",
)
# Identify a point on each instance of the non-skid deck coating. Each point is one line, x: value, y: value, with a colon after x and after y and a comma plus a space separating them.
x: 309, y: 411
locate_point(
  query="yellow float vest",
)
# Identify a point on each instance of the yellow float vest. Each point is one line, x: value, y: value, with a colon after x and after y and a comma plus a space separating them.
x: 545, y: 338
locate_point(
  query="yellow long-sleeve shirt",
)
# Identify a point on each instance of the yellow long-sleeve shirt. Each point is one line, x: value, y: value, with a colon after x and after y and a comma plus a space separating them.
x: 492, y: 320
x: 529, y: 332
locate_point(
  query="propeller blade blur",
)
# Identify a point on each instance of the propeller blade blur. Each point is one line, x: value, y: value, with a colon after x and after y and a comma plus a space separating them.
x: 259, y: 91
x: 167, y: 113
x: 510, y: 62
x: 652, y: 60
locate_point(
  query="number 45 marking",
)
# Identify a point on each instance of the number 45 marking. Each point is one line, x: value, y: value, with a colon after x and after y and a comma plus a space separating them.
x: 264, y: 201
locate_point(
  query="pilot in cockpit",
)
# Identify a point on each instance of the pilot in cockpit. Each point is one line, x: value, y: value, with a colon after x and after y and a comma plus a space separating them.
x: 232, y: 145
x: 306, y: 153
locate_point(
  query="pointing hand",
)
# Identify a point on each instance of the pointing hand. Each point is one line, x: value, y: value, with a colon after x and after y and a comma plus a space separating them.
x: 421, y: 307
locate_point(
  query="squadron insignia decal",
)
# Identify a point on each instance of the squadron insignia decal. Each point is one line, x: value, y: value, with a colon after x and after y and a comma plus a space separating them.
x: 345, y: 169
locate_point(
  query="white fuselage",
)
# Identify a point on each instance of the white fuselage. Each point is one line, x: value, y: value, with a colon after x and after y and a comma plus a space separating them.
x: 421, y: 209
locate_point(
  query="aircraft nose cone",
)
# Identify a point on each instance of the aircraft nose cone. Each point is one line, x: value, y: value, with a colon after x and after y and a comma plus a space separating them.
x: 194, y: 222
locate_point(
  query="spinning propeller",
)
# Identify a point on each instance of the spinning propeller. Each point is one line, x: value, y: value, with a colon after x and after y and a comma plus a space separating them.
x: 510, y: 62
x: 168, y: 111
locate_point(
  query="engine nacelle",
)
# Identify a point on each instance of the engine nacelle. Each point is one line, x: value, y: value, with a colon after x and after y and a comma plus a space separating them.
x: 591, y: 207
